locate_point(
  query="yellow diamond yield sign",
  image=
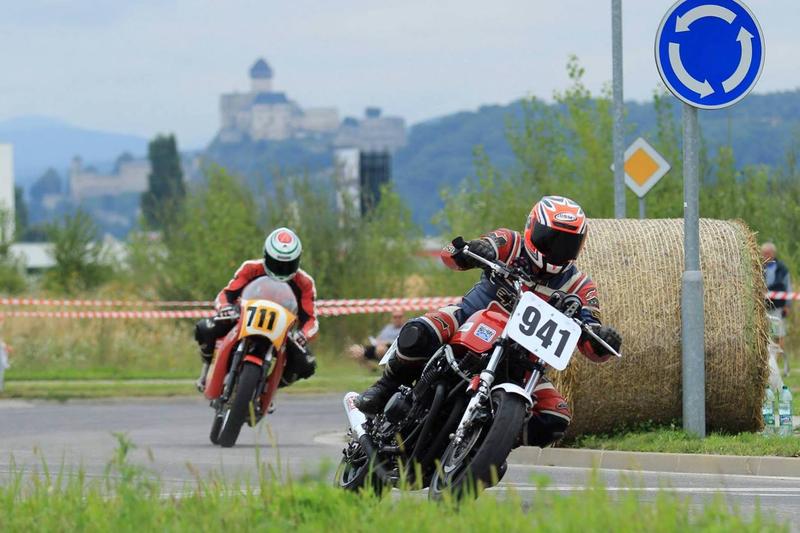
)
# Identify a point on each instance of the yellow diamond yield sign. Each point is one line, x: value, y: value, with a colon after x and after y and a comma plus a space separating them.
x: 643, y: 167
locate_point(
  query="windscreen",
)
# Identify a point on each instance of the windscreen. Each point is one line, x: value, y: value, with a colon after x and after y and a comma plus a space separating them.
x: 264, y: 288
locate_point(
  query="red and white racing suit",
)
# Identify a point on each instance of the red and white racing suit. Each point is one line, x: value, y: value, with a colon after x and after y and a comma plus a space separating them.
x: 302, y: 284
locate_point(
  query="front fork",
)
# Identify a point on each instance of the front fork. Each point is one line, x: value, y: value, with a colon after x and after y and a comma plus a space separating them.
x: 483, y: 392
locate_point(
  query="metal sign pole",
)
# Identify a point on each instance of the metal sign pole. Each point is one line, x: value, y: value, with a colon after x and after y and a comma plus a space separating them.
x: 641, y: 208
x: 692, y: 320
x: 618, y: 131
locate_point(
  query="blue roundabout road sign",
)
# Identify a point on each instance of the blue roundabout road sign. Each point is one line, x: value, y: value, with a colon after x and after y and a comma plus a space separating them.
x: 709, y: 52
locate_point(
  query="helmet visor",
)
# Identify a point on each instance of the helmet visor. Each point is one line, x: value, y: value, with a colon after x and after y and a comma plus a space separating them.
x: 282, y: 270
x: 558, y: 247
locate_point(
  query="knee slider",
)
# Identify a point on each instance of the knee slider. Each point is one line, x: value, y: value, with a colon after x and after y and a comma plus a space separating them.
x: 417, y: 339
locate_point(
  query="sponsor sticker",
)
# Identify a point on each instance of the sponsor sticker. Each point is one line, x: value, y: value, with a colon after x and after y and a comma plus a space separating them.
x: 484, y: 332
x: 566, y: 217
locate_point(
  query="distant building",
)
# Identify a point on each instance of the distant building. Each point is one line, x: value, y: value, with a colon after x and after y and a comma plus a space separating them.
x: 129, y: 176
x: 360, y: 175
x: 7, y: 185
x: 263, y: 114
x: 373, y: 133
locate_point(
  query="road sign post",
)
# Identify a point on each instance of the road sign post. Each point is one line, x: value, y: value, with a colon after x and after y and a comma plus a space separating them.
x: 618, y: 110
x: 709, y: 54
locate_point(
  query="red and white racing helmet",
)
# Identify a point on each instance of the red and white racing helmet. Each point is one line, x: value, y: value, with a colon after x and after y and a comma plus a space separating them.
x: 282, y: 251
x: 554, y: 233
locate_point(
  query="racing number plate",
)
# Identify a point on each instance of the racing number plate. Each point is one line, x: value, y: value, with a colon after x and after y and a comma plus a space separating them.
x: 545, y: 332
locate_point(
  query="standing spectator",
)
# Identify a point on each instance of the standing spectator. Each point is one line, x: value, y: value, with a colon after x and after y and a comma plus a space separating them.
x: 370, y: 354
x: 777, y: 278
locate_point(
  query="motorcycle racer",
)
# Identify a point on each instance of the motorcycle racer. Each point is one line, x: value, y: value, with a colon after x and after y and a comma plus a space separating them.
x: 546, y: 251
x: 282, y: 251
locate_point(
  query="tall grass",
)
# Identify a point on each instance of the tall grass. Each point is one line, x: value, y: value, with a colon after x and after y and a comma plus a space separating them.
x: 130, y: 498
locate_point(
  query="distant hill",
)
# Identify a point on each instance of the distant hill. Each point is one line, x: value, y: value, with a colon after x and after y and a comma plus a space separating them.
x: 439, y: 152
x: 41, y: 142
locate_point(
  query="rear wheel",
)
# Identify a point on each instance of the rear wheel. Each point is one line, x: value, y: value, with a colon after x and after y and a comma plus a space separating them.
x: 477, y: 461
x: 237, y: 410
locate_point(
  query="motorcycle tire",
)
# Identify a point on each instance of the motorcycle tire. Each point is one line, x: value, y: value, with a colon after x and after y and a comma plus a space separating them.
x: 213, y: 436
x: 238, y: 407
x: 483, y: 465
x: 356, y: 478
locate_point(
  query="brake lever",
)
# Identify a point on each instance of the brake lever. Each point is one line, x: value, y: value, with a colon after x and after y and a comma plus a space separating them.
x: 588, y: 330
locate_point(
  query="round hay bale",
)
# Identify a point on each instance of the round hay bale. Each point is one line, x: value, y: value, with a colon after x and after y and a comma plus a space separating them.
x: 637, y: 265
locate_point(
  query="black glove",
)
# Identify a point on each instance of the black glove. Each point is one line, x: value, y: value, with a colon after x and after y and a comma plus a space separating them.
x: 610, y: 336
x: 482, y: 248
x: 300, y: 339
x: 569, y: 304
x: 228, y: 311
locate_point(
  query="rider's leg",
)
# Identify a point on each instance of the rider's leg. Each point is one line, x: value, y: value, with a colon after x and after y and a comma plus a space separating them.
x: 418, y: 341
x: 550, y: 416
x: 300, y: 364
x: 205, y: 336
x: 206, y: 333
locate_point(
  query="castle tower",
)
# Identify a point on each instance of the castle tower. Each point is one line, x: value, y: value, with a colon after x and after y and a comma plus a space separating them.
x: 260, y: 77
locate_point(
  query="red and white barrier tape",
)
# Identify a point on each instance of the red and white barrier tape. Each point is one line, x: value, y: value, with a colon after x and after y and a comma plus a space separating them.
x: 100, y: 303
x: 778, y: 295
x: 388, y: 306
x: 378, y: 302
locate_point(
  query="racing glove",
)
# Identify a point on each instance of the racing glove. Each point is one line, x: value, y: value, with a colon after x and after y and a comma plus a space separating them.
x: 228, y: 311
x: 480, y: 247
x: 610, y: 336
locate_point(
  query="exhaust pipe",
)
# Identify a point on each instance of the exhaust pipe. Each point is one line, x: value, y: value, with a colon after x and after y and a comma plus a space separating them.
x: 354, y: 416
x: 357, y: 420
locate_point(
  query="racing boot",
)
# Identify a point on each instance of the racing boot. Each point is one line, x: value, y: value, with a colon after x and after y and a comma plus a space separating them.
x: 201, y: 381
x: 396, y: 373
x: 416, y: 343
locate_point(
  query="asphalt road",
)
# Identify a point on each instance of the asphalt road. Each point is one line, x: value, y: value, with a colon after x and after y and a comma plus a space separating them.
x: 171, y: 438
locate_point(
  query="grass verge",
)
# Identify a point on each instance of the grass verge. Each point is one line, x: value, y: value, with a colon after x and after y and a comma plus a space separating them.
x: 333, y: 375
x: 129, y: 498
x: 671, y: 440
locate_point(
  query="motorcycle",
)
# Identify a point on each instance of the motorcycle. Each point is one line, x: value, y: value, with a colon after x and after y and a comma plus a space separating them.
x: 248, y: 362
x: 453, y: 430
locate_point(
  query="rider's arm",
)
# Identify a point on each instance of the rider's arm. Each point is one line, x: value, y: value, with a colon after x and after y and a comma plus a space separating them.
x: 244, y: 275
x: 586, y: 290
x: 307, y: 307
x: 504, y: 243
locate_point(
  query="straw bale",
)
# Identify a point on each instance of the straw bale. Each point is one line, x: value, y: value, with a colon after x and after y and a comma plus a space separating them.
x: 637, y: 265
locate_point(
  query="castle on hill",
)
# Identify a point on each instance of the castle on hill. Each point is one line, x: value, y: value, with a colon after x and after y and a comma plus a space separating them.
x: 263, y: 114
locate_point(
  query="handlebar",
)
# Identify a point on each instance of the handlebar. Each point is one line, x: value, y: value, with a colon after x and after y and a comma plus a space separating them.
x: 496, y: 266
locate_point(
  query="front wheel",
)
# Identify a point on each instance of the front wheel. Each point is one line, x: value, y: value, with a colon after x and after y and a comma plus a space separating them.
x: 477, y: 461
x: 237, y: 409
x: 356, y: 471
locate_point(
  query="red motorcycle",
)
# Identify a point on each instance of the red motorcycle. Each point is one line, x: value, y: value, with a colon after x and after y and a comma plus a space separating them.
x: 248, y: 362
x: 454, y: 429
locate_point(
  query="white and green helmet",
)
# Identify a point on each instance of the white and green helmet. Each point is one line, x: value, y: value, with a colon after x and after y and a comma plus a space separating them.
x: 282, y: 251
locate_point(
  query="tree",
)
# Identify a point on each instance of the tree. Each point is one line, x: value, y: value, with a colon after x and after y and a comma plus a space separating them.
x: 81, y: 261
x: 166, y: 190
x: 216, y: 230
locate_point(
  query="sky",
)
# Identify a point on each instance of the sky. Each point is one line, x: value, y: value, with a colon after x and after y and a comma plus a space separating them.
x: 160, y: 65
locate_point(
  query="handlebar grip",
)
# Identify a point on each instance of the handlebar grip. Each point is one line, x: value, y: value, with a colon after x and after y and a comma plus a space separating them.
x: 459, y: 243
